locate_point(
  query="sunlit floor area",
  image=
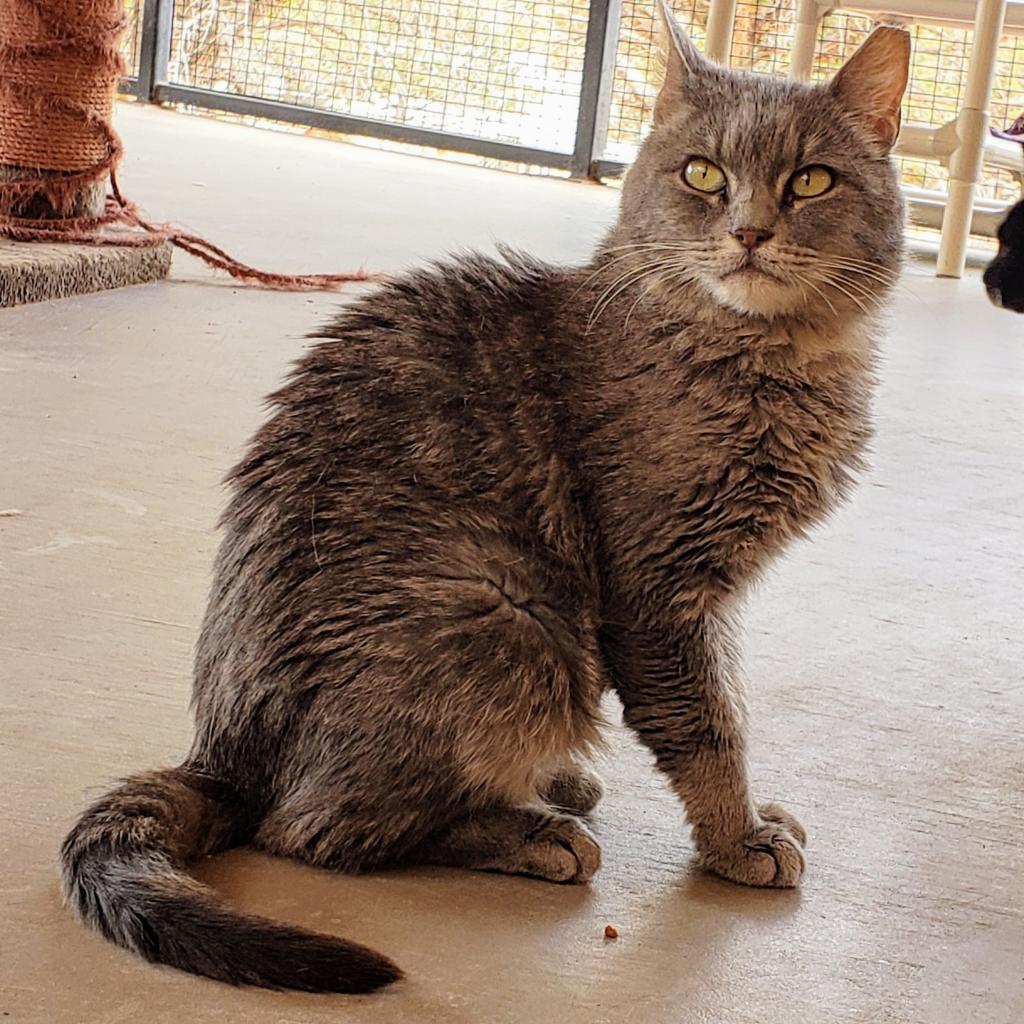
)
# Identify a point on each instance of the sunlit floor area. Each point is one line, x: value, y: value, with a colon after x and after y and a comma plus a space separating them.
x: 885, y: 655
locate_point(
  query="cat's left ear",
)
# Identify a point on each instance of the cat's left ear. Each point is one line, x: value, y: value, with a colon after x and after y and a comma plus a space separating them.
x: 872, y: 82
x: 684, y: 68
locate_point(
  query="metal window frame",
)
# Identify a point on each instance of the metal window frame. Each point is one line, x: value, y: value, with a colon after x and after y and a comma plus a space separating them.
x: 585, y: 161
x: 596, y: 86
x: 154, y: 47
x: 152, y: 86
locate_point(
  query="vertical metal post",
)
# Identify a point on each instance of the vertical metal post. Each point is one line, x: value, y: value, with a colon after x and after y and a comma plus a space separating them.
x: 154, y: 47
x: 807, y: 18
x: 721, y: 21
x: 965, y: 163
x: 596, y: 87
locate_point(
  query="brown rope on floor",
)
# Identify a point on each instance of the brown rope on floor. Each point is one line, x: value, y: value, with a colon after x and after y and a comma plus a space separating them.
x: 59, y: 68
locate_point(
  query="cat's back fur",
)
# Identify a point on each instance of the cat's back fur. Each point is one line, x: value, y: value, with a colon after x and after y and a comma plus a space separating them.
x: 419, y: 469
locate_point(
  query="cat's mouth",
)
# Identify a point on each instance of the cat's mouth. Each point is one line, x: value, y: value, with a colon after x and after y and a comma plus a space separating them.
x: 754, y: 287
x: 750, y: 270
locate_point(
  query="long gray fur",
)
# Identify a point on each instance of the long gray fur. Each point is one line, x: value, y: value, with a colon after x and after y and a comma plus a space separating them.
x: 499, y: 489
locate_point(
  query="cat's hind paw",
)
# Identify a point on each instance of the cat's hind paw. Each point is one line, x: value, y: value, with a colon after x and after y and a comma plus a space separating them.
x: 564, y: 850
x: 574, y: 792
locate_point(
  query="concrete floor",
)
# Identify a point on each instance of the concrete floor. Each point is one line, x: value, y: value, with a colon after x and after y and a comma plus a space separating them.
x: 886, y: 656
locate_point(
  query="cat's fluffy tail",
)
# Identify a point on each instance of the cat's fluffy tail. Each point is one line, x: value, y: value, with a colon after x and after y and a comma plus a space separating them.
x: 123, y: 872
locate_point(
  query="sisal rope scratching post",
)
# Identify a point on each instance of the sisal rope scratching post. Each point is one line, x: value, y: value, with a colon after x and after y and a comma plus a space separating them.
x: 60, y: 232
x: 59, y: 68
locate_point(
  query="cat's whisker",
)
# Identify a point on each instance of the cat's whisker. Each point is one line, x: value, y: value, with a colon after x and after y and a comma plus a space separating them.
x: 856, y: 262
x: 862, y: 288
x: 682, y: 273
x: 866, y: 281
x: 810, y: 257
x: 803, y: 290
x: 830, y: 281
x: 636, y: 302
x: 634, y: 269
x: 611, y: 296
x: 864, y: 277
x: 650, y: 269
x: 855, y: 273
x: 813, y: 255
x: 645, y: 291
x: 618, y: 270
x: 611, y: 264
x: 867, y: 296
x: 879, y: 274
x: 818, y: 259
x: 631, y: 277
x: 681, y: 245
x: 595, y: 274
x: 804, y: 280
x: 889, y: 278
x: 861, y: 275
x: 839, y: 272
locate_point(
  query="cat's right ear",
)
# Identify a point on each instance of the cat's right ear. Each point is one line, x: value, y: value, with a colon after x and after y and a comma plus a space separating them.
x: 684, y: 67
x: 872, y: 82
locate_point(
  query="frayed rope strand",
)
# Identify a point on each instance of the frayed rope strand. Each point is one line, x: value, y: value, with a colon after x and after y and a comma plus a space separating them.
x: 119, y: 211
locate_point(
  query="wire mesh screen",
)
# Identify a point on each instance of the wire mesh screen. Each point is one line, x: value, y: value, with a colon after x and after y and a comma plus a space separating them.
x: 132, y: 38
x: 762, y: 42
x: 511, y: 70
x: 638, y: 70
x: 504, y: 70
x: 763, y: 36
x: 1008, y: 89
x: 937, y: 77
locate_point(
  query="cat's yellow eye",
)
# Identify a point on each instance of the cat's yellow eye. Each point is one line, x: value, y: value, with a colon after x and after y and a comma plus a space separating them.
x: 811, y: 182
x: 703, y: 175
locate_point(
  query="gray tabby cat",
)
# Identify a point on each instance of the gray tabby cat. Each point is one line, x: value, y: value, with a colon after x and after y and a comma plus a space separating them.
x: 497, y: 491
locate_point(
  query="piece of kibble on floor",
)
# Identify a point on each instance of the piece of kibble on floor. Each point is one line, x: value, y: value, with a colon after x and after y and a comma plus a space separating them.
x: 610, y: 931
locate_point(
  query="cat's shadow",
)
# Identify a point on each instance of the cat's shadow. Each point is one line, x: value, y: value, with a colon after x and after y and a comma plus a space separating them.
x: 291, y: 891
x: 478, y: 921
x: 715, y: 894
x: 419, y: 916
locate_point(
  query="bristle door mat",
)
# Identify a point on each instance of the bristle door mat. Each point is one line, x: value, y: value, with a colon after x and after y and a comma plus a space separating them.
x: 39, y: 271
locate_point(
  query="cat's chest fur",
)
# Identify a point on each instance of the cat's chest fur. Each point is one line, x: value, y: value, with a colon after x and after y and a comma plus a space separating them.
x: 728, y: 453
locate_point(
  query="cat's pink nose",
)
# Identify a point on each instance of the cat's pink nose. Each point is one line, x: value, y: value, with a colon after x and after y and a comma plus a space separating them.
x: 751, y: 238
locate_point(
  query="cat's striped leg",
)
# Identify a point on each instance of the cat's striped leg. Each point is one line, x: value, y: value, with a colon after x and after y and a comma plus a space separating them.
x: 681, y: 696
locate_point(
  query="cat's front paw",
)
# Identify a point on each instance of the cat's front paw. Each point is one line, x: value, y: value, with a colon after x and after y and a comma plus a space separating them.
x: 771, y: 855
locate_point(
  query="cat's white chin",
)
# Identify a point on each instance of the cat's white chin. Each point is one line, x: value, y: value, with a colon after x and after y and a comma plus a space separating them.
x: 754, y: 293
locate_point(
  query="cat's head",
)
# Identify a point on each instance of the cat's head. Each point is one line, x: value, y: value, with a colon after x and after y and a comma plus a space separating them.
x: 1004, y: 276
x: 775, y: 197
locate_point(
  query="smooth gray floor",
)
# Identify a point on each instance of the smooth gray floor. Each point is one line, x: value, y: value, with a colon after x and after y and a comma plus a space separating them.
x: 886, y: 655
